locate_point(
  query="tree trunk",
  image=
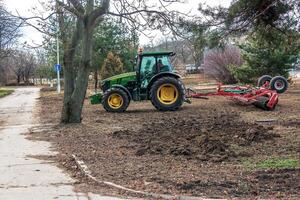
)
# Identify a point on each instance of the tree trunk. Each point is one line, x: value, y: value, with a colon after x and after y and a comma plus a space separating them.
x: 74, y: 97
x: 68, y: 91
x: 69, y: 69
x: 96, y: 80
x: 74, y: 94
x: 78, y: 96
x: 18, y: 79
x: 75, y: 88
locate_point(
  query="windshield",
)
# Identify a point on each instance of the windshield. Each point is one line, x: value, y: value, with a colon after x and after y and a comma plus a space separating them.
x: 155, y: 64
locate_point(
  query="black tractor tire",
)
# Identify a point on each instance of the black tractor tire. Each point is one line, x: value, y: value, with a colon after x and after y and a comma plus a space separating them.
x: 279, y: 83
x: 121, y: 94
x: 262, y: 80
x: 262, y: 103
x: 154, y: 97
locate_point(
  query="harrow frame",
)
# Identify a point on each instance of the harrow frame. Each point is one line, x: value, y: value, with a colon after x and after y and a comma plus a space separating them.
x: 261, y: 97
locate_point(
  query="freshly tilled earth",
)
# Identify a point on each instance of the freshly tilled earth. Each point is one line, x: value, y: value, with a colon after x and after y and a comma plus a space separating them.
x: 199, y: 137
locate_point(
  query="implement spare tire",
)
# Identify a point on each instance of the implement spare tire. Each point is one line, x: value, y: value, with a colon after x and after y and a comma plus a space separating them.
x: 279, y: 83
x: 167, y: 94
x: 262, y: 80
x: 262, y: 103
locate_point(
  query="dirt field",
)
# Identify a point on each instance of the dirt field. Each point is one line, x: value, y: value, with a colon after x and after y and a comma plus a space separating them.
x: 212, y: 148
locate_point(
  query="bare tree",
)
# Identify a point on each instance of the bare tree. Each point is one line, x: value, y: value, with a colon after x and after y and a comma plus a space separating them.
x: 43, y: 67
x: 9, y: 31
x: 29, y: 67
x: 23, y: 65
x: 6, y: 71
x: 9, y: 34
x: 219, y: 63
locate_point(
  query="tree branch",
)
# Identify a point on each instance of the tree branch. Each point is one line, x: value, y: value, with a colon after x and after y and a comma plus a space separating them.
x: 101, y: 10
x: 73, y: 10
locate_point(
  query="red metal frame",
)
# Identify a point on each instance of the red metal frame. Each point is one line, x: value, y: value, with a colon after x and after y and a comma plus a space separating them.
x: 250, y: 96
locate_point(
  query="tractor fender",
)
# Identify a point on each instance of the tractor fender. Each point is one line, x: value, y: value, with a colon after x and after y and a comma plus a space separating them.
x: 163, y: 74
x: 123, y: 88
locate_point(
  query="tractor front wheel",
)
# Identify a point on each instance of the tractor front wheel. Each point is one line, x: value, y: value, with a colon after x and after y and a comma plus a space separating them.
x: 115, y: 100
x: 167, y: 94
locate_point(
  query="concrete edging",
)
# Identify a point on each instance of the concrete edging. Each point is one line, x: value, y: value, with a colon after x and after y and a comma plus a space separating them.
x: 83, y: 167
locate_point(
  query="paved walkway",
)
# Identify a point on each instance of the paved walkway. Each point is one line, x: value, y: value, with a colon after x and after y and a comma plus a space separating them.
x: 22, y: 177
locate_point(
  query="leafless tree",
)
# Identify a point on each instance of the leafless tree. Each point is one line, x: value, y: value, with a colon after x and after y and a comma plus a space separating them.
x: 219, y: 63
x: 23, y: 65
x: 6, y: 72
x: 9, y: 34
x: 9, y: 31
x: 44, y: 69
x: 180, y: 46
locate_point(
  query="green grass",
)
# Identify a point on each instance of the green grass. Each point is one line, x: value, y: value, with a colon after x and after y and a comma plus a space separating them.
x: 274, y: 163
x: 4, y: 92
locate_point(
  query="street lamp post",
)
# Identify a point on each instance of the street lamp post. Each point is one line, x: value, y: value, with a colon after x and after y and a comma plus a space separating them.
x: 57, y: 54
x: 58, y: 70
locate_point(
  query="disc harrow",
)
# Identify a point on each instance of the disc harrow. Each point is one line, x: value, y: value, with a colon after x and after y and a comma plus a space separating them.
x: 264, y: 96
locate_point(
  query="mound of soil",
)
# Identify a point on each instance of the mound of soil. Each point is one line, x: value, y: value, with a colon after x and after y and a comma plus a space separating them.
x: 197, y: 137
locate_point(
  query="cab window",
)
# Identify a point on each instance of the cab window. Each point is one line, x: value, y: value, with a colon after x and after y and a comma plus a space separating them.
x: 153, y: 65
x: 146, y: 65
x: 164, y: 64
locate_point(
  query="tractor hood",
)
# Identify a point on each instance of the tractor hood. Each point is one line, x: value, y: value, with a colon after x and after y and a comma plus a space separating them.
x: 121, y: 79
x: 120, y: 76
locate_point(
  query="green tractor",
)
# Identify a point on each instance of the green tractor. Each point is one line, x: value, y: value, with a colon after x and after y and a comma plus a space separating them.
x: 154, y: 79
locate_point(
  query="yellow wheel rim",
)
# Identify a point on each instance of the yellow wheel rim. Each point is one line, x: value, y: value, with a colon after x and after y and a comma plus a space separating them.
x: 115, y: 101
x: 167, y: 94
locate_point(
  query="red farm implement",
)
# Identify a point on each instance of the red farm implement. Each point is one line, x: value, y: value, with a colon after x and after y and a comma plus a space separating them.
x: 265, y: 96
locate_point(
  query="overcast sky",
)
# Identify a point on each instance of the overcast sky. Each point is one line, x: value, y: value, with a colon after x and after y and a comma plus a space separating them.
x: 32, y: 36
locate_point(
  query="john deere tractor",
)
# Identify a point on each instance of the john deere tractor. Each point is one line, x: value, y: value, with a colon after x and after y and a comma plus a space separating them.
x: 154, y: 79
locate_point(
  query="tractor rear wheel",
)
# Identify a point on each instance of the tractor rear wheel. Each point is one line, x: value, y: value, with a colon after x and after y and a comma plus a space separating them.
x: 115, y: 100
x: 167, y: 94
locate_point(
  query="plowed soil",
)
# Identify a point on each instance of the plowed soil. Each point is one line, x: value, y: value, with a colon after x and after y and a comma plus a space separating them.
x: 200, y: 150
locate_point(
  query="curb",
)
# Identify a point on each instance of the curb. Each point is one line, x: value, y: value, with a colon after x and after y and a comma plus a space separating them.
x: 83, y: 167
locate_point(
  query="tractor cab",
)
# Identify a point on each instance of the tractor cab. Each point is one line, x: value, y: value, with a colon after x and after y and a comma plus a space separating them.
x: 151, y: 64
